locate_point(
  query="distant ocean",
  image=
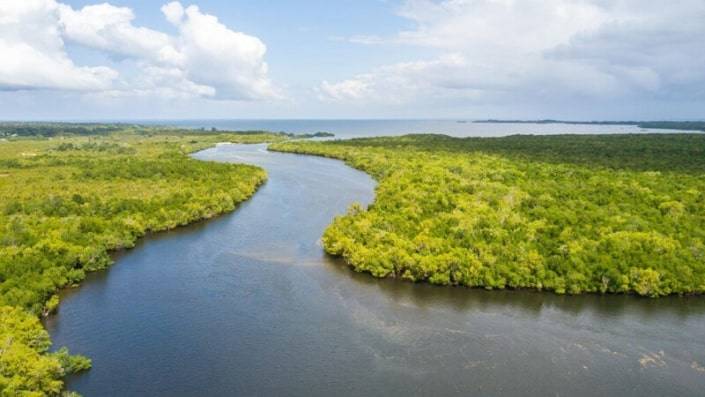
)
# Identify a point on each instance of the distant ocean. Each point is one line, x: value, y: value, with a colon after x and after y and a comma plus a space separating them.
x: 367, y: 128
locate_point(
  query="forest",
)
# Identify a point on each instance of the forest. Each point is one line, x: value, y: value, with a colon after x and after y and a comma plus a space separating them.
x: 570, y: 214
x: 66, y: 202
x: 53, y: 129
x: 8, y: 128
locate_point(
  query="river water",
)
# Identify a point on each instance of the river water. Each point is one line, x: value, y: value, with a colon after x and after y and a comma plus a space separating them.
x: 248, y: 304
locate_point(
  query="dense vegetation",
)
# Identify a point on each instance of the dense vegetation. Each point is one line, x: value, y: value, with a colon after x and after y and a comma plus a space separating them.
x: 673, y: 125
x: 661, y: 125
x: 319, y: 134
x: 53, y: 129
x: 66, y: 202
x: 571, y: 214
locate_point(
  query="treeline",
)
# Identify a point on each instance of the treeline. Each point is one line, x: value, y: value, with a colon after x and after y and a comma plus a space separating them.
x: 570, y: 214
x: 319, y: 134
x: 66, y: 203
x: 674, y: 125
x: 55, y: 129
x: 640, y: 152
x: 46, y: 129
x: 662, y: 125
x: 281, y: 135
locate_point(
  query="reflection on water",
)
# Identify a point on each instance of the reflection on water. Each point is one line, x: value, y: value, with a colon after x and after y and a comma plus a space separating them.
x: 248, y: 304
x: 464, y: 299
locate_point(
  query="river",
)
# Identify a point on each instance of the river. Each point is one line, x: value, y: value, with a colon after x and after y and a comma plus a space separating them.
x: 248, y: 304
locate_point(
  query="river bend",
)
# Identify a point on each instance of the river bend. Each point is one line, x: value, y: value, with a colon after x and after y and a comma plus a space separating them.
x: 248, y: 304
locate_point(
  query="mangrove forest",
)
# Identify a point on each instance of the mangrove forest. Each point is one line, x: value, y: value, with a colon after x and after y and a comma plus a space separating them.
x: 569, y: 214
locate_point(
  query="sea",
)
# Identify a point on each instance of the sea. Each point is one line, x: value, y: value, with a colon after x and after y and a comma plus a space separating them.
x: 360, y: 128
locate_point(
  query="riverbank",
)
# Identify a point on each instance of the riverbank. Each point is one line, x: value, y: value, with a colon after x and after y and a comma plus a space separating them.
x: 237, y: 305
x: 569, y: 214
x: 71, y: 201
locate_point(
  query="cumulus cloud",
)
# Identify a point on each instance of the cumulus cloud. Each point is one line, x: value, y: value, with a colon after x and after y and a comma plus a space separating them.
x: 33, y: 51
x: 161, y: 82
x: 530, y: 49
x: 230, y: 61
x: 402, y: 82
x: 109, y: 28
x: 205, y: 58
x: 173, y: 12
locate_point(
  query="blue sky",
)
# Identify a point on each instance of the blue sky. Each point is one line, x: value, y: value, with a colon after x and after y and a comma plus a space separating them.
x: 305, y: 40
x: 573, y: 59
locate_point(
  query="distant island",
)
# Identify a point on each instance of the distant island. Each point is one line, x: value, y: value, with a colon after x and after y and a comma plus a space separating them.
x: 662, y: 125
x: 319, y: 134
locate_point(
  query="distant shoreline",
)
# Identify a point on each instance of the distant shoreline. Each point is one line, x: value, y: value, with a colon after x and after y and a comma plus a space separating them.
x: 662, y: 125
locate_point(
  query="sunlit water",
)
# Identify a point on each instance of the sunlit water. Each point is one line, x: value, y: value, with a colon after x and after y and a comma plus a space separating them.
x: 248, y: 304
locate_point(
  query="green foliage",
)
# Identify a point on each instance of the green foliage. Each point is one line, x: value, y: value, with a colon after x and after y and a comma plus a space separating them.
x: 26, y: 368
x: 66, y: 202
x: 319, y: 134
x: 571, y: 214
x: 674, y: 125
x: 57, y: 129
x: 54, y: 129
x: 683, y: 153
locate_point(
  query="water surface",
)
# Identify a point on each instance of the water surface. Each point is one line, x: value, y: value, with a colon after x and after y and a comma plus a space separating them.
x: 369, y: 128
x: 248, y: 304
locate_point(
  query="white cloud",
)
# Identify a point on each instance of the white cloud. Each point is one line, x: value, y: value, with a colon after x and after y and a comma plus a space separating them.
x: 511, y: 50
x: 109, y: 28
x: 160, y: 82
x: 205, y: 58
x: 173, y: 12
x: 497, y: 26
x: 33, y: 55
x: 352, y: 89
x: 230, y: 61
x: 403, y: 82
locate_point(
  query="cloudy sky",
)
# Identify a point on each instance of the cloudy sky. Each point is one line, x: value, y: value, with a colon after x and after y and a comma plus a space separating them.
x: 571, y: 59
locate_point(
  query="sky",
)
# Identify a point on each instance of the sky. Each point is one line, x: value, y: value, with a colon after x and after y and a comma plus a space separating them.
x: 475, y: 59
